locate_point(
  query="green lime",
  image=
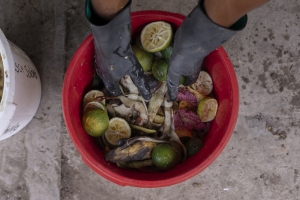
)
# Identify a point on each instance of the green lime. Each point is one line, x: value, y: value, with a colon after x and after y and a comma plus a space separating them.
x: 160, y: 69
x: 193, y: 145
x: 164, y: 156
x: 95, y: 122
x: 145, y: 58
x: 166, y: 53
x: 156, y: 36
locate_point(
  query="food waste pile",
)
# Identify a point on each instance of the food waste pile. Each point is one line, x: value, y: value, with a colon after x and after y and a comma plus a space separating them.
x: 154, y: 135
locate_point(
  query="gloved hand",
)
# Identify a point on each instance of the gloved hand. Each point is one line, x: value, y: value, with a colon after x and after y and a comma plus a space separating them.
x: 194, y: 39
x: 114, y: 56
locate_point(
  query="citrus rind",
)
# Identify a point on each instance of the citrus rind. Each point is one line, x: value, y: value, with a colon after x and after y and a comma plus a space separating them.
x: 156, y: 36
x: 118, y: 128
x: 207, y: 109
x: 204, y: 84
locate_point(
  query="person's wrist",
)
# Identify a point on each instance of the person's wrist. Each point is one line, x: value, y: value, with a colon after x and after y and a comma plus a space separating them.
x: 227, y: 12
x: 107, y: 10
x: 219, y: 13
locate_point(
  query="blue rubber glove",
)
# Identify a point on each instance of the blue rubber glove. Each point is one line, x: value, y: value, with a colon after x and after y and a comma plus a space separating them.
x: 114, y: 56
x: 195, y: 39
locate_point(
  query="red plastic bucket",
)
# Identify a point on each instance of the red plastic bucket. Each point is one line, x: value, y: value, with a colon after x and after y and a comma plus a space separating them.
x: 78, y: 81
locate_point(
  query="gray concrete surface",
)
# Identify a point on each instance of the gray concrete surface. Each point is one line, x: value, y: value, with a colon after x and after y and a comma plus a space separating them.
x: 261, y: 160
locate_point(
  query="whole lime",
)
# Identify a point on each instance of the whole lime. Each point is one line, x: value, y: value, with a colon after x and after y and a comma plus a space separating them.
x: 95, y: 122
x: 145, y: 58
x: 166, y: 53
x: 193, y: 145
x: 160, y: 69
x: 164, y: 156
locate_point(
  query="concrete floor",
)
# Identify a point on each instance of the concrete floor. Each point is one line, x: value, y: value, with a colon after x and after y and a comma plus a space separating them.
x: 261, y: 160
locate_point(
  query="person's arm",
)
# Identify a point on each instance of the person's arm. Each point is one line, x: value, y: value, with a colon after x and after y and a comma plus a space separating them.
x: 107, y: 9
x: 209, y: 25
x: 227, y: 12
x: 224, y: 13
x: 114, y: 58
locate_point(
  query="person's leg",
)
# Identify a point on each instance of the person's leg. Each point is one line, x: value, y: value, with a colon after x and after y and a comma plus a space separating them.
x: 107, y: 9
x: 227, y: 12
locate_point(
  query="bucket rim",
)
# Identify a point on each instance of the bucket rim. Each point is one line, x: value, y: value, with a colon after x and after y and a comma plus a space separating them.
x: 125, y: 181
